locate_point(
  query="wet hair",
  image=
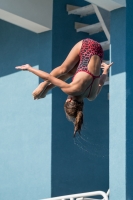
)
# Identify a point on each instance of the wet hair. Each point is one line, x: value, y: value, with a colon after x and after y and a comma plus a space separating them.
x: 74, y: 112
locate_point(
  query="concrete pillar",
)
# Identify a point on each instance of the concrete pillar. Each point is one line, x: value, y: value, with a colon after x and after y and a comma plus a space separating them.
x: 121, y: 109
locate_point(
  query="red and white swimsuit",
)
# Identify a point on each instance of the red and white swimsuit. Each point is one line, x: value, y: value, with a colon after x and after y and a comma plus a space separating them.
x: 88, y: 49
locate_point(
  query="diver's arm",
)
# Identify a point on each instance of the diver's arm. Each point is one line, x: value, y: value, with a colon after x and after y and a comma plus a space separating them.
x: 104, y: 75
x: 65, y: 87
x: 102, y: 80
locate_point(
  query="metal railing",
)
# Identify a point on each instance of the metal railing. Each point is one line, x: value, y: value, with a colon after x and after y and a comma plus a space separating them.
x: 82, y: 196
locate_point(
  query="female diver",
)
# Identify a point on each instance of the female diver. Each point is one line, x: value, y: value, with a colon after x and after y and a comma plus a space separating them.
x: 83, y: 63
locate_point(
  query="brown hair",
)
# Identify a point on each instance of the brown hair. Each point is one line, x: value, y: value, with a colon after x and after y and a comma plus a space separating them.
x: 74, y: 109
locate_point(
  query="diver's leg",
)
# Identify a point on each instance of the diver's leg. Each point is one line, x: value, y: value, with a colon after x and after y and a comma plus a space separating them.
x: 94, y: 65
x: 51, y: 86
x: 69, y: 63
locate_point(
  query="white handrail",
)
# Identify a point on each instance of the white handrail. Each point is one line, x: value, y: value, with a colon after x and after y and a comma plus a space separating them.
x: 87, y: 194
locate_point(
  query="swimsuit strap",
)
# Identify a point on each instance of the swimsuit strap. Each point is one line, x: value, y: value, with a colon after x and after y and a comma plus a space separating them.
x: 87, y: 71
x: 93, y: 76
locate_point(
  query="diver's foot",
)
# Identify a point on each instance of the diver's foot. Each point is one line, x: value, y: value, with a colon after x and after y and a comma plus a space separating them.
x: 38, y: 92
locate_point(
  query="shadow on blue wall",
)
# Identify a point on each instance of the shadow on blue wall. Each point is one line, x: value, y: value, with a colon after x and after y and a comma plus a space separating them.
x: 118, y: 19
x: 20, y: 46
x: 84, y: 166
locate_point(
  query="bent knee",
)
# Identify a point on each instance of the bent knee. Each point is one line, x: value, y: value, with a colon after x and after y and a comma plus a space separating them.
x: 63, y: 69
x: 68, y: 69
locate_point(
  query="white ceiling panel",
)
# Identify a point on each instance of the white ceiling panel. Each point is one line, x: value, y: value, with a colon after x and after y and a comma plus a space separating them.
x: 109, y: 4
x: 34, y: 15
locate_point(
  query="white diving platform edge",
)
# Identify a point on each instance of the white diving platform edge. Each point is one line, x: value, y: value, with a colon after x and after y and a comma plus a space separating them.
x: 83, y: 196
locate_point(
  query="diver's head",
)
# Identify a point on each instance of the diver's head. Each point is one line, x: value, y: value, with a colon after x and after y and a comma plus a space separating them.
x: 74, y: 113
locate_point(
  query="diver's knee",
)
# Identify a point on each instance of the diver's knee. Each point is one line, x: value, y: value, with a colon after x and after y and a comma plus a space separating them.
x: 63, y: 69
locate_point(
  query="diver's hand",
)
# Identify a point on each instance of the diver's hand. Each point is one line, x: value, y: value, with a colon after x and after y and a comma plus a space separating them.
x: 24, y: 67
x: 105, y: 67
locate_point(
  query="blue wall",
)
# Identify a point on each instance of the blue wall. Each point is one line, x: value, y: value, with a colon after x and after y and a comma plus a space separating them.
x: 25, y: 124
x: 38, y: 155
x: 83, y: 166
